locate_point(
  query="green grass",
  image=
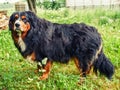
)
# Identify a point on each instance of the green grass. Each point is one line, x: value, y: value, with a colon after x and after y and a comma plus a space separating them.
x: 18, y: 74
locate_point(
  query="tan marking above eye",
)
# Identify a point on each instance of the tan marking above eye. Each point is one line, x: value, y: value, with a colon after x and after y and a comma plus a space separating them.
x: 16, y: 16
x: 23, y: 17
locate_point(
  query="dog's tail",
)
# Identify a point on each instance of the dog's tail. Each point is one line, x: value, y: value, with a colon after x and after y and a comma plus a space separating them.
x: 104, y: 66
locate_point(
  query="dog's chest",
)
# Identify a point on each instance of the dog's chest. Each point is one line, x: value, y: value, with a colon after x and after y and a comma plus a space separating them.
x: 18, y: 39
x: 21, y: 44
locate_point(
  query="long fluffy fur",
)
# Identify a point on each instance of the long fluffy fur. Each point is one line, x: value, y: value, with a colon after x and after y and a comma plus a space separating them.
x: 60, y: 42
x: 104, y: 66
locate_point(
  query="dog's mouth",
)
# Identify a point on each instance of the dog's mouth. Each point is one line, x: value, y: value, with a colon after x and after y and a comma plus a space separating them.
x: 18, y: 30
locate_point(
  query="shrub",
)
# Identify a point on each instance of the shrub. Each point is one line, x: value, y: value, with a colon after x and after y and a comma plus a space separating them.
x: 54, y: 4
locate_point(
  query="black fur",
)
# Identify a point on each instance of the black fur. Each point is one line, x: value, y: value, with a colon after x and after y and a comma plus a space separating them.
x: 60, y: 42
x: 104, y: 66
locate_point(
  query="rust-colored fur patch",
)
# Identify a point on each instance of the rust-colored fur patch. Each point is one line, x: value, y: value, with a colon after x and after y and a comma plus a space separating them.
x: 31, y: 57
x: 25, y: 28
x: 47, y: 70
x: 16, y: 16
x: 23, y: 17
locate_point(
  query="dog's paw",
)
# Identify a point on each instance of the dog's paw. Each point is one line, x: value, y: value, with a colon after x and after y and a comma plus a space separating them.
x: 43, y: 77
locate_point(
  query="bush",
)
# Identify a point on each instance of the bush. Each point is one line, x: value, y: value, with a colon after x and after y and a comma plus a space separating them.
x: 54, y: 4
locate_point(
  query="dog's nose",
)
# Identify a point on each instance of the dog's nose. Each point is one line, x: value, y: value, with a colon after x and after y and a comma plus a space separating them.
x: 17, y: 24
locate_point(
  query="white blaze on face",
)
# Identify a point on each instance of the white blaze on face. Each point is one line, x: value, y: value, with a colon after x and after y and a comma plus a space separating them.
x: 21, y: 43
x: 20, y: 28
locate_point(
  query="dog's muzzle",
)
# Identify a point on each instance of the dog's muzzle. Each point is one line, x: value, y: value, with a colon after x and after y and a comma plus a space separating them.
x: 17, y: 29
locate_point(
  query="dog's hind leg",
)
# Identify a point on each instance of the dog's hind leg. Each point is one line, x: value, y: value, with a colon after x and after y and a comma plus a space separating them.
x: 84, y: 68
x: 77, y: 63
x: 81, y: 69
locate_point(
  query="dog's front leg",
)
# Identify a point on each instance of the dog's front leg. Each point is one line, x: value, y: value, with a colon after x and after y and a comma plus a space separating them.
x: 46, y: 69
x: 39, y: 67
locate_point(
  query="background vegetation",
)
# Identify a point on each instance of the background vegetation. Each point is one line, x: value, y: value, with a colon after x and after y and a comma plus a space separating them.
x: 51, y: 4
x: 17, y: 73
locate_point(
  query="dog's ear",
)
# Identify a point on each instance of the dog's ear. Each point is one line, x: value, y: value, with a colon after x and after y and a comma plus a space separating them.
x: 31, y: 17
x: 11, y: 21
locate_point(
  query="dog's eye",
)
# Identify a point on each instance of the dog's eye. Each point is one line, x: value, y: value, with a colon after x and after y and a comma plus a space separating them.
x: 24, y: 20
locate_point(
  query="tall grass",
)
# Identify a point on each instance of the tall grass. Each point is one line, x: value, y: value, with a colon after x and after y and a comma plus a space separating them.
x: 18, y: 74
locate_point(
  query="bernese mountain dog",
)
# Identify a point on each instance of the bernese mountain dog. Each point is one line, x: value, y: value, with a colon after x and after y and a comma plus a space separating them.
x: 45, y: 42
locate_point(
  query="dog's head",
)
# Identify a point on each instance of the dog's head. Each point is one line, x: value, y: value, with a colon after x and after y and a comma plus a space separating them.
x: 21, y: 22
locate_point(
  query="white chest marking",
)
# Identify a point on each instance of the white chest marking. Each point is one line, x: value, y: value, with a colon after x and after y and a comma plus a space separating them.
x: 21, y: 44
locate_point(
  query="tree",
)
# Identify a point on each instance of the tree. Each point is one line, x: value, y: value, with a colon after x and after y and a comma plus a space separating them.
x: 32, y: 5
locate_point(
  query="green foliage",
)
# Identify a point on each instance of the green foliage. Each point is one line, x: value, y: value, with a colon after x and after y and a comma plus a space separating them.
x: 5, y: 5
x: 54, y: 4
x: 17, y: 73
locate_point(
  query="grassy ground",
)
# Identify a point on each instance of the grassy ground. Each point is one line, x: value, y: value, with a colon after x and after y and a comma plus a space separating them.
x: 18, y: 74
